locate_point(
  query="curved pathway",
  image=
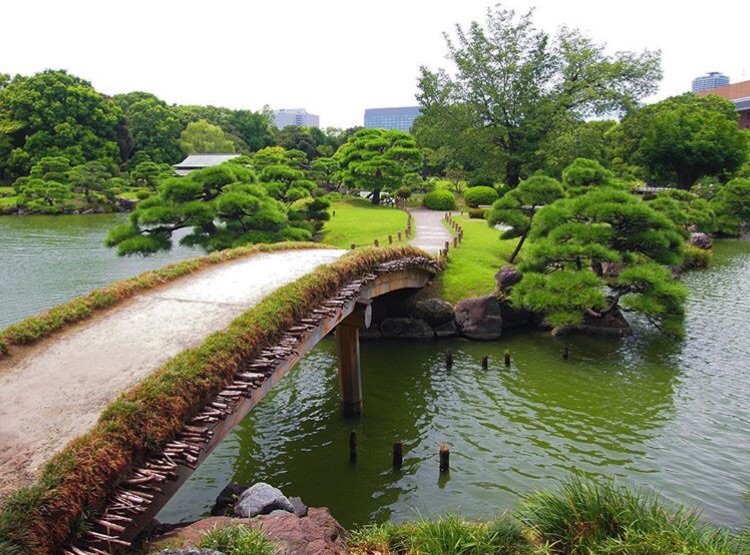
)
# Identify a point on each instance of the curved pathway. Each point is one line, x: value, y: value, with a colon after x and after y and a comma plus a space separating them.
x: 56, y: 390
x: 429, y: 232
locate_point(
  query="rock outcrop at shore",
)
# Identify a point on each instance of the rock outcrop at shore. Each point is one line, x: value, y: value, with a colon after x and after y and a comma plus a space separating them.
x: 480, y: 318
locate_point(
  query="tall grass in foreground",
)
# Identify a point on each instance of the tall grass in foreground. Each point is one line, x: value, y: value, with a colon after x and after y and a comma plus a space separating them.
x: 238, y: 540
x: 583, y: 518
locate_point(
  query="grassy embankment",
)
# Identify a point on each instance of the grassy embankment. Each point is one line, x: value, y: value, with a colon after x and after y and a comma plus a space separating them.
x: 579, y: 518
x: 34, y: 328
x: 359, y: 222
x: 39, y: 519
x: 471, y: 268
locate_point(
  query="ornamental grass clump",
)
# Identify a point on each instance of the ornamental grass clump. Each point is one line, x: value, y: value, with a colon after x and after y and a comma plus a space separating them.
x: 238, y: 540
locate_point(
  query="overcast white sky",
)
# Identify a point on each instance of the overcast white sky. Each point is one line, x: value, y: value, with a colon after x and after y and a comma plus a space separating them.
x: 333, y: 57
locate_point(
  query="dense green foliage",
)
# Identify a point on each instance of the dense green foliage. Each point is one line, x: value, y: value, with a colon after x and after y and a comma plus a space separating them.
x: 732, y: 207
x: 518, y: 207
x: 202, y: 136
x: 154, y: 126
x: 56, y: 114
x: 440, y: 199
x: 683, y: 138
x: 477, y: 196
x: 226, y: 206
x: 516, y: 86
x: 375, y: 160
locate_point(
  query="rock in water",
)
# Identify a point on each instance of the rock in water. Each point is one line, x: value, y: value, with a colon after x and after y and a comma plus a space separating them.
x: 449, y: 329
x: 300, y: 509
x: 261, y: 499
x: 226, y: 500
x: 701, y: 240
x: 406, y: 328
x: 433, y: 311
x: 480, y: 318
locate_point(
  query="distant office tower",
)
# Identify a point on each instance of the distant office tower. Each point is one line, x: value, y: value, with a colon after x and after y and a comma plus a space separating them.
x: 392, y: 118
x: 712, y: 80
x: 295, y: 116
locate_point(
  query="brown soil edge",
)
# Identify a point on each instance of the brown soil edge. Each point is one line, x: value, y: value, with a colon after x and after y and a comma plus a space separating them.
x: 75, y: 484
x: 36, y: 328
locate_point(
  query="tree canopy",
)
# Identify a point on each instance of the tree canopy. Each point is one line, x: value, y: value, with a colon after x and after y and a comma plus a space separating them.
x: 376, y: 160
x: 516, y: 85
x: 201, y: 137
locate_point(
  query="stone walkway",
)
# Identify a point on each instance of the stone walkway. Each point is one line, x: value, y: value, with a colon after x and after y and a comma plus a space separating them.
x: 429, y: 232
x: 55, y: 391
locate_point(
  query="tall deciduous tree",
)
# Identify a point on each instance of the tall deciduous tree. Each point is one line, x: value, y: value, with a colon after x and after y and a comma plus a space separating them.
x: 521, y: 84
x: 154, y: 126
x: 202, y: 136
x: 683, y: 138
x: 376, y: 160
x: 56, y: 114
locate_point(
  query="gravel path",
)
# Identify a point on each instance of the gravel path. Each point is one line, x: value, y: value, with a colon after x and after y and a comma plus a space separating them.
x: 56, y: 390
x: 429, y: 232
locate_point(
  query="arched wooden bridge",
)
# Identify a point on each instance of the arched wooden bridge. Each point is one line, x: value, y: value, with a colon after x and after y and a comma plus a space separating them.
x: 139, y: 496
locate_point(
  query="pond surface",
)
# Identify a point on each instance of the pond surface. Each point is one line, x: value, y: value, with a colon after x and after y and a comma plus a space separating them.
x: 670, y: 416
x: 47, y: 260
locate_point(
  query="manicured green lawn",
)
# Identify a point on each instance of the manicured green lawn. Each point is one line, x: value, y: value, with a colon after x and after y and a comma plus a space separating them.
x: 360, y: 222
x: 472, y: 266
x: 130, y: 195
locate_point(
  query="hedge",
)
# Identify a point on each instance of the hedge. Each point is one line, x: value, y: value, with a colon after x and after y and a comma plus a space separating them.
x: 476, y: 196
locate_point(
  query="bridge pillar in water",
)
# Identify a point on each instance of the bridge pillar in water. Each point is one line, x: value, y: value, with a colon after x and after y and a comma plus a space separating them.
x: 347, y: 348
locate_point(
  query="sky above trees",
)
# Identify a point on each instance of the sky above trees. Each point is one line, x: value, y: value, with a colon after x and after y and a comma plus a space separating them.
x: 333, y: 57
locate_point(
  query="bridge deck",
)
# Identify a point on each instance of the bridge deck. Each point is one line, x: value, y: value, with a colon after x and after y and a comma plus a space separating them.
x: 40, y: 412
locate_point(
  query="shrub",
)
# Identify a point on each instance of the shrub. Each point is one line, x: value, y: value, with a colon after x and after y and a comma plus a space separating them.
x: 696, y: 257
x: 238, y: 540
x: 586, y: 173
x: 439, y: 200
x: 481, y: 180
x: 403, y: 193
x: 478, y: 213
x: 476, y: 196
x: 142, y: 194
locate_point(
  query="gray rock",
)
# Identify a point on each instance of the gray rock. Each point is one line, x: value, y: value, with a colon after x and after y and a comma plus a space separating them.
x: 480, y: 318
x: 261, y: 499
x: 433, y: 311
x: 406, y: 328
x: 515, y: 317
x: 190, y: 551
x: 449, y: 329
x: 613, y: 324
x: 507, y: 277
x: 300, y: 509
x: 701, y: 240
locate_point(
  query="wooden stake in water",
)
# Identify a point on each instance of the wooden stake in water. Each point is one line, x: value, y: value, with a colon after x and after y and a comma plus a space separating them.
x: 398, y: 454
x: 445, y: 458
x: 566, y: 352
x: 353, y: 447
x: 507, y: 359
x: 448, y: 358
x: 485, y: 362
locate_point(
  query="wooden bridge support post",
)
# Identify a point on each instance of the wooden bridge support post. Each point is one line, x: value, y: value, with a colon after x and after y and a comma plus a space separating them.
x: 347, y: 347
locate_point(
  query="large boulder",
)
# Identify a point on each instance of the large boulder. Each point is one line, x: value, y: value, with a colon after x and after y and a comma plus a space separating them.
x: 449, y: 329
x: 507, y: 277
x: 433, y: 311
x: 318, y: 533
x: 261, y: 499
x: 406, y: 328
x: 515, y: 317
x: 612, y: 324
x: 701, y: 240
x: 480, y: 318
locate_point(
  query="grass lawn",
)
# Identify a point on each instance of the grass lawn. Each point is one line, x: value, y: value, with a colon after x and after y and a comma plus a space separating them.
x: 7, y: 191
x: 472, y: 266
x: 8, y: 201
x: 360, y: 222
x: 130, y: 195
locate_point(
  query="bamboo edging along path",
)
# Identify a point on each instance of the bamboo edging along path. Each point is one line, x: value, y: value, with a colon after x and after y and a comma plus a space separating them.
x: 399, y: 236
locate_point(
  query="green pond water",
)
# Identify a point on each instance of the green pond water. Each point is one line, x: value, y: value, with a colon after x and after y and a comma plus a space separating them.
x: 670, y: 416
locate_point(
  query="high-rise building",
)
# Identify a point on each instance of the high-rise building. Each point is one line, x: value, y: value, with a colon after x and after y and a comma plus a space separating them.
x: 295, y: 116
x: 392, y: 118
x: 739, y: 93
x: 712, y: 80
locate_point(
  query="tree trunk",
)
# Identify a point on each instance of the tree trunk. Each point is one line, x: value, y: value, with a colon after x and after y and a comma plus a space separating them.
x: 518, y: 248
x: 376, y: 196
x: 513, y: 173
